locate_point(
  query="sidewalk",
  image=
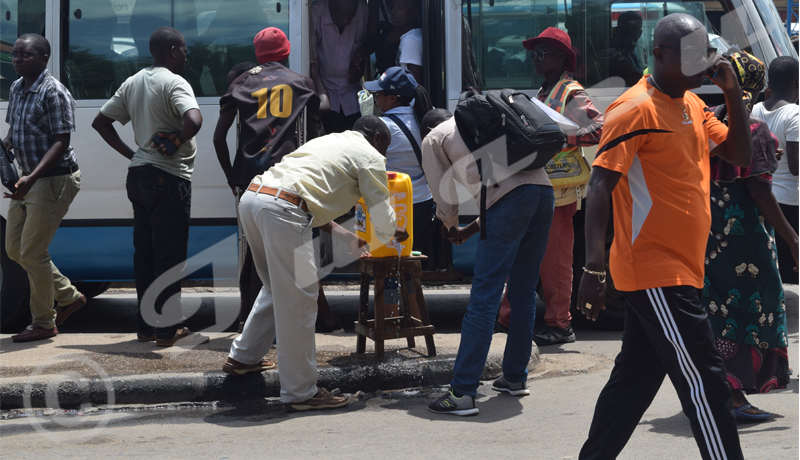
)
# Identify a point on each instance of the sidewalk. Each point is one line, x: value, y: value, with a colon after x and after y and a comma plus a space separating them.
x: 75, y: 369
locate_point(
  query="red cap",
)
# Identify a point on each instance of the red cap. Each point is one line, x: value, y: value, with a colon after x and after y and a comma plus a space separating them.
x: 271, y: 45
x: 560, y: 40
x: 392, y: 175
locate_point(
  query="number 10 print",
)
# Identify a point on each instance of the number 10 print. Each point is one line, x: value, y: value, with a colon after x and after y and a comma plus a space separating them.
x: 279, y: 99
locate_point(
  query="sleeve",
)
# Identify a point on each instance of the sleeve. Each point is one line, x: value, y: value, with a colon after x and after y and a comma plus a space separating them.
x: 410, y: 49
x: 182, y: 96
x: 61, y: 111
x: 227, y: 102
x: 791, y: 126
x: 581, y: 110
x: 435, y: 163
x: 373, y: 184
x: 116, y: 108
x: 622, y: 138
x: 717, y: 130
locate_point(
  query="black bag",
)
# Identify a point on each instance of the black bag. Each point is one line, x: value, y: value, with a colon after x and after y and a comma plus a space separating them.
x: 8, y: 173
x: 532, y: 137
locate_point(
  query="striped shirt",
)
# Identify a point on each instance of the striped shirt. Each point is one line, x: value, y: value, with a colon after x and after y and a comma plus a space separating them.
x: 447, y: 160
x: 35, y: 116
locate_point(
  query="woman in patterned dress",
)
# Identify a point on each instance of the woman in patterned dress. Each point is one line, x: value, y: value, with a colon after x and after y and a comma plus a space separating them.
x: 743, y: 292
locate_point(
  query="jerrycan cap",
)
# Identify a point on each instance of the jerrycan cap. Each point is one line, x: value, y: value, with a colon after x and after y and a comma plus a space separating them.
x: 392, y: 175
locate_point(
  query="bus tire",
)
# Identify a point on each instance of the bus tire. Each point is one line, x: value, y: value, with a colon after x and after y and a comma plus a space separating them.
x: 15, y: 293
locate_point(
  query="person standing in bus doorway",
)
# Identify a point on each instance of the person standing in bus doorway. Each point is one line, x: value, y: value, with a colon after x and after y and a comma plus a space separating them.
x: 519, y: 211
x: 266, y: 133
x: 158, y: 102
x: 782, y: 115
x: 310, y: 187
x: 654, y: 158
x: 339, y: 29
x: 41, y: 116
x: 555, y: 59
x: 406, y: 15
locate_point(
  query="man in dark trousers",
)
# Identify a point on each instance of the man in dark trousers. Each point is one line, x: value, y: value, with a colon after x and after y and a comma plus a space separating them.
x: 41, y: 118
x: 158, y: 102
x: 269, y: 99
x: 654, y: 159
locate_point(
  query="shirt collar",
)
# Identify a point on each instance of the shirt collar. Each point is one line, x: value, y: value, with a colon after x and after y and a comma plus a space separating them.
x: 39, y: 81
x: 401, y: 109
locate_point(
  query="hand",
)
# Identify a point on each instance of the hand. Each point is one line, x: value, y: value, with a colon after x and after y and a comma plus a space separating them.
x: 356, y: 67
x: 451, y: 234
x: 23, y: 185
x: 400, y: 235
x: 779, y: 154
x: 591, y: 296
x: 173, y: 137
x: 8, y: 145
x: 723, y: 75
x: 358, y: 246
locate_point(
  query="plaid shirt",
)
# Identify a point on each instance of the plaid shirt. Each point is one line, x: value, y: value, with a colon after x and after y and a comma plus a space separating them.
x: 581, y: 110
x: 46, y: 109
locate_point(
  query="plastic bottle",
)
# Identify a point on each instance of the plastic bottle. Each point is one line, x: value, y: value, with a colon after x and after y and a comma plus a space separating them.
x: 402, y: 199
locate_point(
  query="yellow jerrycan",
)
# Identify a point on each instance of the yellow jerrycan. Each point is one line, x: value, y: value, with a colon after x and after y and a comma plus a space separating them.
x: 402, y: 199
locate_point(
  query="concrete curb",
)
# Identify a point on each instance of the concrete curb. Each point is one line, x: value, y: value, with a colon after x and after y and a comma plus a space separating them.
x: 49, y: 391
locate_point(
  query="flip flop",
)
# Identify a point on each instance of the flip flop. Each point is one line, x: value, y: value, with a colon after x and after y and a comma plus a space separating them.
x: 743, y: 416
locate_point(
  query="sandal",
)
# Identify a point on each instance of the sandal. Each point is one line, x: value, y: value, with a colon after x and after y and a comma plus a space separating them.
x: 181, y: 333
x: 743, y: 416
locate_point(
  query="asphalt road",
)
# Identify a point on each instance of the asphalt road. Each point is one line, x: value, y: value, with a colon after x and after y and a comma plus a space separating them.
x: 550, y: 424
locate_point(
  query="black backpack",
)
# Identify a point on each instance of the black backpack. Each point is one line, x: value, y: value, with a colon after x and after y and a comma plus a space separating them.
x: 532, y: 137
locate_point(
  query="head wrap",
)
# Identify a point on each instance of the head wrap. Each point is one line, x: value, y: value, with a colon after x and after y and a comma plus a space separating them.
x: 751, y: 72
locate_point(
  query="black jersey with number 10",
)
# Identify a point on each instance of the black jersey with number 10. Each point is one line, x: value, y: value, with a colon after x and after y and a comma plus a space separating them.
x: 269, y: 99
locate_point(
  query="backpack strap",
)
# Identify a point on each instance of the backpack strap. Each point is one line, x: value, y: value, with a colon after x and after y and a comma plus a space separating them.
x: 407, y: 132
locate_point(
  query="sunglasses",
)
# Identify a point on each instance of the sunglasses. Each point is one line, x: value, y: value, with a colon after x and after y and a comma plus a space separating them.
x: 710, y: 51
x: 538, y: 55
x: 24, y: 56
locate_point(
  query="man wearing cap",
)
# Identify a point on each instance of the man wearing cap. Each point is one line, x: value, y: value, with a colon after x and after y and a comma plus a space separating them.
x: 269, y: 99
x: 554, y: 58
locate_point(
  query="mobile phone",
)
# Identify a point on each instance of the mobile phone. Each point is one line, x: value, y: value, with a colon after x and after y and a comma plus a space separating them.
x: 171, y: 148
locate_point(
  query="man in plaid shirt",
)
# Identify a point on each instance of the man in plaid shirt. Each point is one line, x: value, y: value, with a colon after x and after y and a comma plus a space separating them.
x: 41, y: 116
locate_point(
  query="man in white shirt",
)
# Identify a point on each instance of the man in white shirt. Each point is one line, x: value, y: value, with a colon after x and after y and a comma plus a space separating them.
x: 781, y: 114
x: 310, y: 187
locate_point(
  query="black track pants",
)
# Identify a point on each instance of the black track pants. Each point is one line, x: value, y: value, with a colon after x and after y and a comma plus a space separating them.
x: 666, y: 333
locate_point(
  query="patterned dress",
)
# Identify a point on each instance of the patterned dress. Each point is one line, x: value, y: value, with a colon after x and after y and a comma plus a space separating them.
x: 742, y: 292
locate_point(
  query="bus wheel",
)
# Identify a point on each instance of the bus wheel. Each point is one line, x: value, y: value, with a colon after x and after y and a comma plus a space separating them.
x: 15, y: 293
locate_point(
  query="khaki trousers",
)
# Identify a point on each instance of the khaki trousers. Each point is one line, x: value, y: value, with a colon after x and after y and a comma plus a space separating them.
x: 280, y: 237
x: 32, y: 223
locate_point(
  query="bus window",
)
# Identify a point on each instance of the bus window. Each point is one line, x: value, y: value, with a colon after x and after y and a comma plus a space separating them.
x: 106, y: 41
x: 16, y: 18
x: 613, y: 40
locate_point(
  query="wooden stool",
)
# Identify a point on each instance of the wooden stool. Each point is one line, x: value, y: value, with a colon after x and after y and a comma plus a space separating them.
x: 413, y: 321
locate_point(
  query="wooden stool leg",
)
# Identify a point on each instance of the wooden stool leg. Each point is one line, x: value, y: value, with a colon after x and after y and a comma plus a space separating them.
x: 380, y: 315
x: 423, y: 313
x: 406, y: 309
x: 363, y: 304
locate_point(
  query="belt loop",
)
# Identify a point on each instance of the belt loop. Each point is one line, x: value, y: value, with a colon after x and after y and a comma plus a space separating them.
x: 278, y: 194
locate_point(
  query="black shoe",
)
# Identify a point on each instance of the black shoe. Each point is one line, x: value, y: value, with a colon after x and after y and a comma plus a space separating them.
x: 499, y: 328
x: 241, y: 327
x: 321, y: 328
x: 551, y: 335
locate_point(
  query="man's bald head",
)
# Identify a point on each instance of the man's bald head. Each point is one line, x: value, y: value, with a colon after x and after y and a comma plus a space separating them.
x: 433, y: 119
x: 681, y: 53
x: 671, y: 29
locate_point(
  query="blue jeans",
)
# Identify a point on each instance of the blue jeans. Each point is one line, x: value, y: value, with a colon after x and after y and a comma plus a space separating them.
x: 517, y: 228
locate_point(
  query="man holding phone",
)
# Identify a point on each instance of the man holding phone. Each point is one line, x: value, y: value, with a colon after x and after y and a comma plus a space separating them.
x: 165, y: 117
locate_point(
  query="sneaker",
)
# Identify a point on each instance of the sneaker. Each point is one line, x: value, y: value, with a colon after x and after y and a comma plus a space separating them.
x: 552, y: 335
x: 450, y: 404
x: 236, y: 368
x: 324, y: 399
x: 514, y: 389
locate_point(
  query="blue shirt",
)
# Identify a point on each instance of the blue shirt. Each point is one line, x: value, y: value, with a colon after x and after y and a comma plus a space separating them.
x: 400, y: 156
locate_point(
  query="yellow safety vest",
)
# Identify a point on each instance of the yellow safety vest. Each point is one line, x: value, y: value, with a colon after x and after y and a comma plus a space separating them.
x: 568, y: 171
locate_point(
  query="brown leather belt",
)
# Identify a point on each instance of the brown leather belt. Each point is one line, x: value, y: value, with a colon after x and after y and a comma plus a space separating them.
x: 282, y: 194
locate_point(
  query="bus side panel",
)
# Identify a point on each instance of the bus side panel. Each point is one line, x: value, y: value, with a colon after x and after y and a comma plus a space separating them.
x: 106, y: 253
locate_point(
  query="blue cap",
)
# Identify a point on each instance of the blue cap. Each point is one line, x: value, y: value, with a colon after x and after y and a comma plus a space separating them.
x: 395, y: 80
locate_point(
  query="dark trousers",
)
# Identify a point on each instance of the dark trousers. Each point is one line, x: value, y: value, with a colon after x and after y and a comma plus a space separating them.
x: 785, y: 260
x: 338, y: 122
x: 666, y: 333
x: 161, y: 210
x: 424, y: 213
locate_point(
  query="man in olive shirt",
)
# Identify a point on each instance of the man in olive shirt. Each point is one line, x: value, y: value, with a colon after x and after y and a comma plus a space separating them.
x: 310, y: 187
x: 157, y: 101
